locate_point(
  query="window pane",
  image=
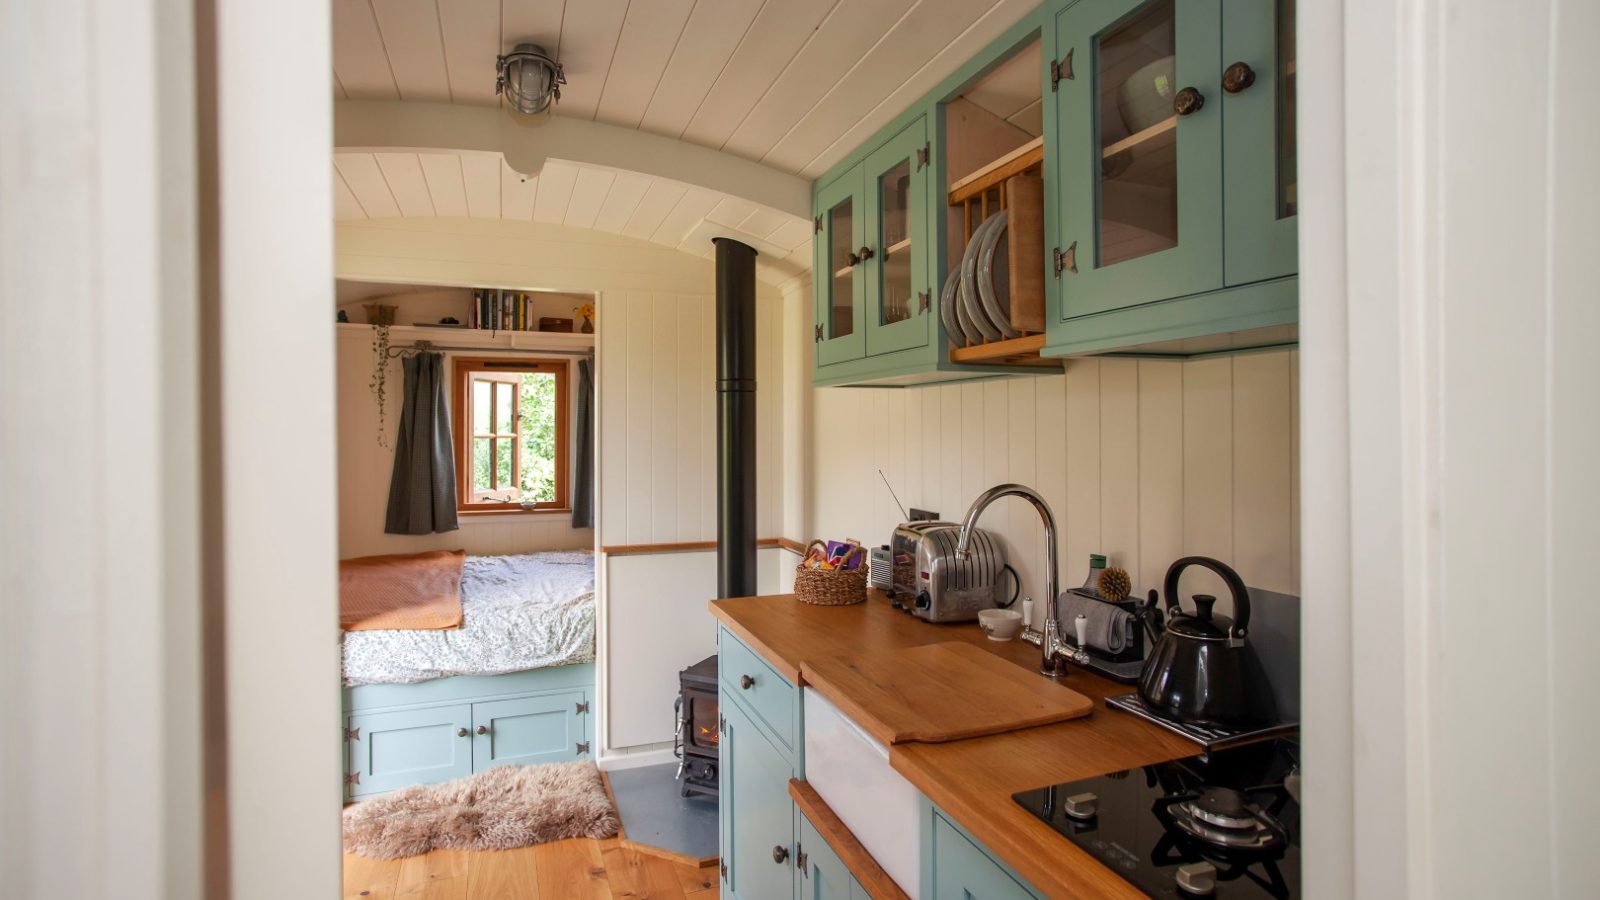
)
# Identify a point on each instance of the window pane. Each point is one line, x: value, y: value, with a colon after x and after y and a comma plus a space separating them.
x: 502, y: 463
x: 503, y: 405
x: 480, y: 406
x: 840, y: 253
x: 482, y: 474
x: 538, y: 400
x: 1138, y: 142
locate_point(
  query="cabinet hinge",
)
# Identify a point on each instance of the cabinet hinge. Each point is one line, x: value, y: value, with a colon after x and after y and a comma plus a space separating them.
x: 723, y: 868
x: 800, y: 861
x: 583, y: 747
x: 581, y: 708
x: 1067, y: 260
x: 352, y: 734
x: 1061, y: 70
x: 816, y: 225
x: 924, y: 300
x: 818, y: 338
x: 722, y: 724
x: 922, y: 157
x: 352, y: 778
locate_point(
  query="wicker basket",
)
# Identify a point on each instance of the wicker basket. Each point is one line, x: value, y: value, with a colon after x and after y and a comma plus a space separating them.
x: 832, y: 587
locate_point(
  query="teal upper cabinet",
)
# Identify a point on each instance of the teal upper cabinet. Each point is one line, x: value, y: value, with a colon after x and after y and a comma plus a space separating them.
x: 1258, y: 167
x: 871, y: 266
x: 1173, y: 166
x: 1140, y: 168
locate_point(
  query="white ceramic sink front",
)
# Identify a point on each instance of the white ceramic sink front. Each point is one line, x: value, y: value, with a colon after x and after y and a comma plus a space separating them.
x: 850, y: 770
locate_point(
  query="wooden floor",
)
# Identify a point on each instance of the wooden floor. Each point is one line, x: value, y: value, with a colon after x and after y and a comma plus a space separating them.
x: 577, y: 868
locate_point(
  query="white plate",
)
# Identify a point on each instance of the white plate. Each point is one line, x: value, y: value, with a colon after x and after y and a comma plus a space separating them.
x: 971, y: 303
x: 947, y: 309
x: 994, y: 282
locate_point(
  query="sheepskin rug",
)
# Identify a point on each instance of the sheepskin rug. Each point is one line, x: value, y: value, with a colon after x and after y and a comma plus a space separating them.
x: 497, y: 809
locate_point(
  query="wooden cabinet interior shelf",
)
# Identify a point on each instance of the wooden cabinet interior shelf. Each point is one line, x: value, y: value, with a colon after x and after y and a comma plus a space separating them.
x: 1161, y: 133
x: 1021, y: 351
x: 1028, y: 157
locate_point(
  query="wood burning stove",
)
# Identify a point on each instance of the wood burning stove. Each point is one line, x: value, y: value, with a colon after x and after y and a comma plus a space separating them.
x: 697, y: 736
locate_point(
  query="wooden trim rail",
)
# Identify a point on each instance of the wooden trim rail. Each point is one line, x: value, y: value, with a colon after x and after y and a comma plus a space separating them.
x: 855, y: 857
x: 696, y: 547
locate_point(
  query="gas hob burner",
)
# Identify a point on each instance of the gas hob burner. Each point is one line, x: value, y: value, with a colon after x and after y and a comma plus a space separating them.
x: 1222, y: 817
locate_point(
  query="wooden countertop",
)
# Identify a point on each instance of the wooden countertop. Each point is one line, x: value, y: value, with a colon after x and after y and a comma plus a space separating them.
x: 973, y: 780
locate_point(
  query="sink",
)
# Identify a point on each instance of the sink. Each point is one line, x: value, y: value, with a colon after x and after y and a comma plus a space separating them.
x: 850, y: 770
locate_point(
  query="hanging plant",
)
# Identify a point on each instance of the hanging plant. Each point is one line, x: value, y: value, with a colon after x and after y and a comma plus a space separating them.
x: 380, y: 375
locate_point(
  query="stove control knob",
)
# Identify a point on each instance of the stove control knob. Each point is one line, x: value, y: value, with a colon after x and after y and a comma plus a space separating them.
x: 1198, y: 878
x: 1082, y: 806
x: 923, y: 600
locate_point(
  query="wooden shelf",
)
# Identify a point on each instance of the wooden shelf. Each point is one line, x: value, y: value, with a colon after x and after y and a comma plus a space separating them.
x: 1028, y: 156
x: 904, y: 244
x: 1158, y: 131
x: 1021, y: 351
x: 405, y: 335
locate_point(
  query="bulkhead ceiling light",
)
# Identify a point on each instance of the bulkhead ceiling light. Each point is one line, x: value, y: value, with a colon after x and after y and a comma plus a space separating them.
x: 529, y: 78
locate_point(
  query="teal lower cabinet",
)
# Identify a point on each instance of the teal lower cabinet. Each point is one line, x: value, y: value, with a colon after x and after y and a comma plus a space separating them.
x: 390, y: 750
x: 823, y: 875
x: 757, y: 815
x: 398, y: 735
x: 527, y: 730
x: 955, y: 867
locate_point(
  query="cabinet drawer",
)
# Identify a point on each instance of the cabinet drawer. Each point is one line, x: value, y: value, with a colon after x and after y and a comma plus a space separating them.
x: 528, y: 730
x: 744, y: 674
x: 391, y: 750
x: 962, y: 871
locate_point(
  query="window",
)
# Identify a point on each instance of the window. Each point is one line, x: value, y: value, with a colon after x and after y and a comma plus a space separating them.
x: 511, y: 434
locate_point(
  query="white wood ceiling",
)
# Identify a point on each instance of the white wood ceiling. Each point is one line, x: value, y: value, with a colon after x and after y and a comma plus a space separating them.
x: 795, y: 84
x: 481, y: 185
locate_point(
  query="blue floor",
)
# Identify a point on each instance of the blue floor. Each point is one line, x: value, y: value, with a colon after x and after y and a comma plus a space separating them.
x: 653, y: 813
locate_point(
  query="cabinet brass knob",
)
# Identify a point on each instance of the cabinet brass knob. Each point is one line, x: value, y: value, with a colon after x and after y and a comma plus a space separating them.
x: 866, y: 253
x: 1188, y: 101
x: 746, y: 682
x: 483, y: 729
x: 779, y: 854
x: 854, y: 260
x: 462, y: 732
x: 1237, y: 77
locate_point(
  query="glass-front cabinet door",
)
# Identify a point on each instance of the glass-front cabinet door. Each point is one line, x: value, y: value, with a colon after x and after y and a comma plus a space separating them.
x: 894, y: 255
x: 840, y: 332
x: 1139, y: 124
x: 1258, y: 160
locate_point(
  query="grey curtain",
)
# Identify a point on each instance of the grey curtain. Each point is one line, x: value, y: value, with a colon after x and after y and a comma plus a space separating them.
x: 422, y: 490
x: 583, y: 448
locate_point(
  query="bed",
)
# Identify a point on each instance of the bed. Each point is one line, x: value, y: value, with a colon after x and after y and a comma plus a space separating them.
x: 511, y: 685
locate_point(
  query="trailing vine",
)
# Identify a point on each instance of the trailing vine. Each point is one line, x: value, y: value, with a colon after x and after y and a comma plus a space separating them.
x: 380, y: 376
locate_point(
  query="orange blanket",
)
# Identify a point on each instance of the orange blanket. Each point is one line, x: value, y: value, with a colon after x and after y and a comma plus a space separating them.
x: 418, y: 592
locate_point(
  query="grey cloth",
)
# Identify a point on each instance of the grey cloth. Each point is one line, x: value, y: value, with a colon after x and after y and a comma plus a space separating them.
x: 1109, y: 629
x: 422, y: 490
x: 583, y: 448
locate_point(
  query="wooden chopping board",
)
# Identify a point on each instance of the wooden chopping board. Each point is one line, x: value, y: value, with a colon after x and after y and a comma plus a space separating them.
x: 940, y: 692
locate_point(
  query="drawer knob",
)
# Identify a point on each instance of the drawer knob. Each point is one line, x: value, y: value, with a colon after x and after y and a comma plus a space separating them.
x: 483, y: 729
x: 462, y: 732
x: 746, y: 682
x: 1237, y: 77
x: 779, y: 854
x: 1188, y: 101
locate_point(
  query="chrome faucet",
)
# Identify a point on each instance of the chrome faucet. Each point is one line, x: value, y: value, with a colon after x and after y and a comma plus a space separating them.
x: 1055, y: 651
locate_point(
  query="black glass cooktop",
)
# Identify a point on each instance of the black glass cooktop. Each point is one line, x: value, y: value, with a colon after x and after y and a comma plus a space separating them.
x: 1226, y: 825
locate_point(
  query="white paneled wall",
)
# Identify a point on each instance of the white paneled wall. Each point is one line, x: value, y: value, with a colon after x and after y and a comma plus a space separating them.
x: 1143, y: 460
x: 658, y: 457
x: 658, y: 414
x: 365, y: 467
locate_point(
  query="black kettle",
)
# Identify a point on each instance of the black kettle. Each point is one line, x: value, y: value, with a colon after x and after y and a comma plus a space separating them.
x: 1195, y: 674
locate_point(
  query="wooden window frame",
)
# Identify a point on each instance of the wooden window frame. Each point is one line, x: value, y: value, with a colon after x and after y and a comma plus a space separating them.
x: 461, y: 378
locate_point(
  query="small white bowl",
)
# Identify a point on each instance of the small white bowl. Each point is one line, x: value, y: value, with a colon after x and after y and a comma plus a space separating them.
x: 1000, y: 624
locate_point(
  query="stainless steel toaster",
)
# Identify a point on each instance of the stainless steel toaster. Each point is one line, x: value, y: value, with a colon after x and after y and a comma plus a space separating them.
x: 931, y: 583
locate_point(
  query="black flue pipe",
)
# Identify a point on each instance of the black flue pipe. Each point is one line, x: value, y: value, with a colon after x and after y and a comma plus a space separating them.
x: 736, y: 418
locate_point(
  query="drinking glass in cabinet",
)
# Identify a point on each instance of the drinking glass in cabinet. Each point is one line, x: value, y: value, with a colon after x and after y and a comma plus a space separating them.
x: 1139, y: 106
x: 895, y: 290
x: 842, y: 262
